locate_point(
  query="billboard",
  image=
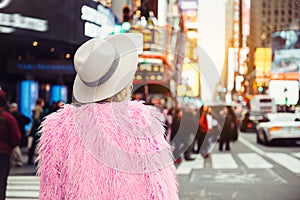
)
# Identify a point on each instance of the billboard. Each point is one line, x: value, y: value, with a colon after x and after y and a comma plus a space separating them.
x: 285, y: 55
x: 288, y: 39
x: 191, y: 79
x: 70, y: 21
x: 286, y: 60
x: 284, y: 92
x: 189, y: 10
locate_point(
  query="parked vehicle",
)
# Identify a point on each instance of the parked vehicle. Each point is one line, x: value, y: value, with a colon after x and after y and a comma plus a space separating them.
x: 278, y: 126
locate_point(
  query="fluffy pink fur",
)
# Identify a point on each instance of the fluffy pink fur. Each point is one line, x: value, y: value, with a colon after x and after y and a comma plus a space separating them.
x: 73, y: 158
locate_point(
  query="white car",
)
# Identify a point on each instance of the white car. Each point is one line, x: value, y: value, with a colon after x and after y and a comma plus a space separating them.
x: 278, y: 126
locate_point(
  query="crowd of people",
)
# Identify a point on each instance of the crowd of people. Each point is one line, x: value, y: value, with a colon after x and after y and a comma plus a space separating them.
x: 192, y: 130
x: 29, y: 138
x: 15, y: 140
x: 188, y: 129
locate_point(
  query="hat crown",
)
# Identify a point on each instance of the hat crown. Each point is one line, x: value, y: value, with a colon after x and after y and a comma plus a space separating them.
x: 93, y: 59
x: 105, y: 66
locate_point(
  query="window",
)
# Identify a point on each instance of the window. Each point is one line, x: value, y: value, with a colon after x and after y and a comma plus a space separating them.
x: 265, y: 100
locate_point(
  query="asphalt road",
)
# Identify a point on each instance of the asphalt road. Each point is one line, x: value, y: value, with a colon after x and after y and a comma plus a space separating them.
x: 249, y: 171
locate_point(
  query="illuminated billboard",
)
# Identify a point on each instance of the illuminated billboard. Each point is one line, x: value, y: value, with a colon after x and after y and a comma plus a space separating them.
x: 70, y: 21
x: 286, y: 55
x: 288, y: 39
x: 286, y: 60
x: 191, y: 79
x: 263, y: 63
x: 189, y: 11
x: 284, y: 92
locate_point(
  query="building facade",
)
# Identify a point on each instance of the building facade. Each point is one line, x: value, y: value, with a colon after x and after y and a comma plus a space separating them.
x: 267, y: 18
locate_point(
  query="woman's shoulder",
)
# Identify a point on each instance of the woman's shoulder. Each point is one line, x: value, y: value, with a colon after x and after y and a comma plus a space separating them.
x: 58, y: 117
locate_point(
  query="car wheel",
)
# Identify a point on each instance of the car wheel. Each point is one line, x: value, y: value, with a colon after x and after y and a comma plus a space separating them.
x: 266, y: 142
x: 258, y: 140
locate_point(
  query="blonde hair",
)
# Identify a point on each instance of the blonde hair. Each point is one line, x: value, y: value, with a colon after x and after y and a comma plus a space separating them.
x: 123, y: 95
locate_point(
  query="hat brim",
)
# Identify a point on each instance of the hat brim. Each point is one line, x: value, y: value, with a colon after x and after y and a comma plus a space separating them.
x: 120, y: 79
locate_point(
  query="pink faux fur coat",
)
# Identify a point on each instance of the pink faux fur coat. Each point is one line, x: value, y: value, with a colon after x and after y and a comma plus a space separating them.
x: 111, y: 151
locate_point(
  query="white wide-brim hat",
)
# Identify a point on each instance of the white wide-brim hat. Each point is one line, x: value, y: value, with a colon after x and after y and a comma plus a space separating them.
x: 105, y: 66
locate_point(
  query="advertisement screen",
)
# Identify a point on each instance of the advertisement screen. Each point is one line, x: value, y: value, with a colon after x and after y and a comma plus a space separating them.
x: 285, y: 55
x: 288, y: 39
x: 286, y: 60
x: 70, y: 21
x: 284, y: 92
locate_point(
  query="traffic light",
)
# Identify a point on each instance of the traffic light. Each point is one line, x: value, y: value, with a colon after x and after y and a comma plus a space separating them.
x: 126, y: 14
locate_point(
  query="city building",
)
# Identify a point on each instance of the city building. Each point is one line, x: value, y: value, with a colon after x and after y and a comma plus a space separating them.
x: 271, y: 23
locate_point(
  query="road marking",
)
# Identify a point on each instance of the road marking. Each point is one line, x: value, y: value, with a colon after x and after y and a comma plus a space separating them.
x: 186, y: 166
x: 236, y: 177
x: 223, y: 161
x: 254, y: 161
x: 20, y: 199
x: 297, y: 154
x: 22, y: 187
x: 285, y: 160
x: 276, y: 177
x: 251, y: 146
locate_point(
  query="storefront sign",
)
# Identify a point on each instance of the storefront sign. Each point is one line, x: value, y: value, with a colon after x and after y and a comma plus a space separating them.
x: 18, y: 21
x: 50, y: 67
x: 69, y: 21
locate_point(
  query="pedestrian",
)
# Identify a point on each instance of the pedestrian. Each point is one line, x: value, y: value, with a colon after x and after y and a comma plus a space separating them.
x: 190, y: 125
x: 10, y: 137
x: 208, y: 136
x: 228, y: 130
x: 104, y: 146
x: 37, y: 116
x: 176, y: 140
x: 22, y: 122
x: 169, y: 120
x: 202, y: 131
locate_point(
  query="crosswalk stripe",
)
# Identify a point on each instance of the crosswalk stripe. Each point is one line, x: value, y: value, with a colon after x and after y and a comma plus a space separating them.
x: 297, y: 154
x: 186, y: 167
x: 251, y: 160
x: 223, y: 161
x: 254, y: 161
x: 20, y: 199
x: 285, y: 160
x: 22, y: 187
